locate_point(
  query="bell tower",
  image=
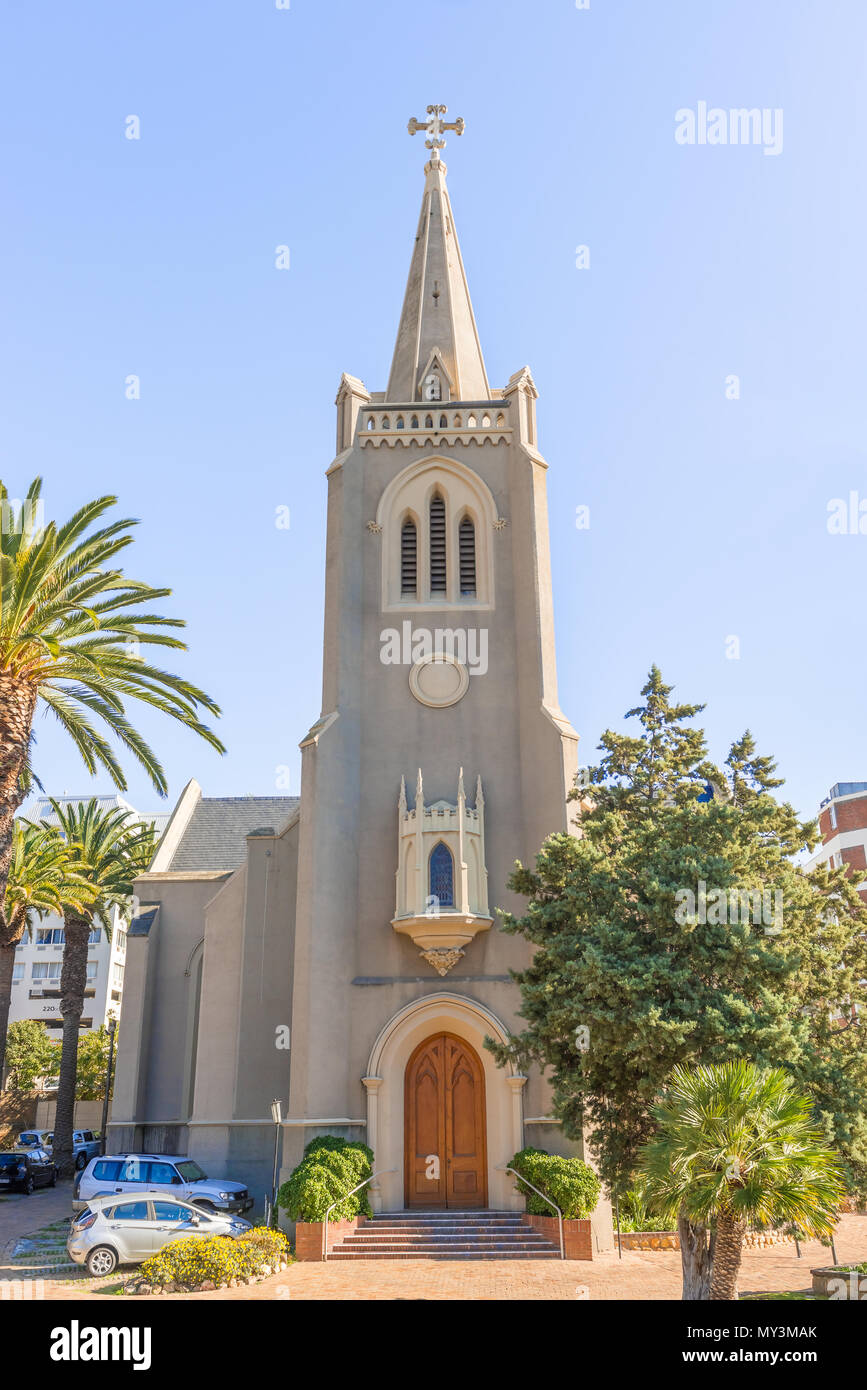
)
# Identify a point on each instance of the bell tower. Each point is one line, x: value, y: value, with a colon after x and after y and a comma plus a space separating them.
x: 438, y: 656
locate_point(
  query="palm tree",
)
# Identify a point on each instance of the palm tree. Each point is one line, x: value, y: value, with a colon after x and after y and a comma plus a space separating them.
x: 71, y: 633
x: 736, y: 1145
x: 42, y: 876
x: 112, y: 852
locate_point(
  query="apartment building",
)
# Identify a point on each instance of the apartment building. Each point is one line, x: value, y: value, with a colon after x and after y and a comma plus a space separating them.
x: 843, y: 823
x: 38, y: 958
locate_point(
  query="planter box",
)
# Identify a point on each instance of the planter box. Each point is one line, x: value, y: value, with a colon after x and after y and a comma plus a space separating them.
x: 308, y: 1237
x: 577, y: 1239
x: 838, y: 1284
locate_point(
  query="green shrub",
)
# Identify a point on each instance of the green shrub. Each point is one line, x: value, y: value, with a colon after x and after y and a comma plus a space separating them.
x: 329, y: 1169
x: 569, y: 1182
x: 193, y: 1259
x: 637, y: 1212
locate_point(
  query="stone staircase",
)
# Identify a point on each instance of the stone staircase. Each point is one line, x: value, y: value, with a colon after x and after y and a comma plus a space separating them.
x: 445, y: 1235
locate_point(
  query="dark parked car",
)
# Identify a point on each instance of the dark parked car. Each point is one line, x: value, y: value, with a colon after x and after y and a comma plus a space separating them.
x: 85, y: 1143
x: 24, y: 1169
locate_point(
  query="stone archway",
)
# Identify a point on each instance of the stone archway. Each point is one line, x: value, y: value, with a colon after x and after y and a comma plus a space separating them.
x: 461, y: 1018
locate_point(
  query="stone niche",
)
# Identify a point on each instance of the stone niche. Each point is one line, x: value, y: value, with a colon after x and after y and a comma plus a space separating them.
x: 442, y: 881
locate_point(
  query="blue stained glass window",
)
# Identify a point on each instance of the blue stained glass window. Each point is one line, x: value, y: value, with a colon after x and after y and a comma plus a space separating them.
x: 442, y: 877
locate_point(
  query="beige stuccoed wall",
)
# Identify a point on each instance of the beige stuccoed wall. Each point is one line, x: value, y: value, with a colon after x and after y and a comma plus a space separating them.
x: 152, y: 1083
x: 217, y: 1050
x: 350, y: 781
x: 265, y: 977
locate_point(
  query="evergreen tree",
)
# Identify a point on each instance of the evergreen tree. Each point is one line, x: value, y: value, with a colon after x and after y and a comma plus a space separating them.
x: 677, y: 928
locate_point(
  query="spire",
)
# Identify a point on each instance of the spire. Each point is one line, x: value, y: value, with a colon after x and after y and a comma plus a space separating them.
x: 437, y: 336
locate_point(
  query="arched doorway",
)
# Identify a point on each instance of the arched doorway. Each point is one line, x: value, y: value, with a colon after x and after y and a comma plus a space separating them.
x: 444, y: 1125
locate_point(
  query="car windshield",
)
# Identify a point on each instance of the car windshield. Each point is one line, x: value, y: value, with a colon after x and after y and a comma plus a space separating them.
x: 29, y: 1139
x: 190, y: 1171
x: 10, y: 1160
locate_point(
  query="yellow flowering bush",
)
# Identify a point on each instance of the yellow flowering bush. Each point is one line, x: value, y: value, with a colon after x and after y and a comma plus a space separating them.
x: 194, y: 1259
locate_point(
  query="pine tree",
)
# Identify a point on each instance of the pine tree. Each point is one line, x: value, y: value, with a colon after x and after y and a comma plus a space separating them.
x: 677, y: 928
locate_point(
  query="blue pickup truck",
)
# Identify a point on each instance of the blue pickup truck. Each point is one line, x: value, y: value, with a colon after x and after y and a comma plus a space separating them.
x: 85, y: 1144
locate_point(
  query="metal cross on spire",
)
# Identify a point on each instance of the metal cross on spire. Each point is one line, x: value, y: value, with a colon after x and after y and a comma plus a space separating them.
x: 435, y: 127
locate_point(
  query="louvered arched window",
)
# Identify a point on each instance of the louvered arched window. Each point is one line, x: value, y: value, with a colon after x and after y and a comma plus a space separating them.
x: 437, y: 545
x: 408, y: 560
x: 442, y: 875
x: 467, y: 557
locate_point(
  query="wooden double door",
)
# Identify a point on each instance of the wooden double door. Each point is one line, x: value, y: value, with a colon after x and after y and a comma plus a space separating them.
x: 444, y: 1124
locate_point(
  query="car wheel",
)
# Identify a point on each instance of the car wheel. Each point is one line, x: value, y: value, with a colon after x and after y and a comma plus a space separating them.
x: 101, y: 1261
x: 28, y: 1187
x: 206, y: 1207
x: 81, y: 1162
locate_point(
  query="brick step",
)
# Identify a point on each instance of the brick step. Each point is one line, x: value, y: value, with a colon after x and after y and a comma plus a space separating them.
x: 434, y: 1226
x: 420, y: 1243
x: 448, y: 1214
x: 386, y: 1218
x: 395, y: 1233
x: 341, y: 1254
x: 446, y: 1252
x: 429, y: 1228
x: 463, y: 1234
x: 422, y: 1238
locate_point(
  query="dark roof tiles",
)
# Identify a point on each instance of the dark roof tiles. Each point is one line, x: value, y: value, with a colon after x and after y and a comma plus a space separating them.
x: 214, y: 840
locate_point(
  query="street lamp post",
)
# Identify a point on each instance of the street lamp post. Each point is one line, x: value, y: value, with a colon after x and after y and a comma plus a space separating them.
x: 112, y: 1027
x: 277, y: 1117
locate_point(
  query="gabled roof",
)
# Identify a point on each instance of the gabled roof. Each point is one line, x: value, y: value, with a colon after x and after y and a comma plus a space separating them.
x: 215, y: 835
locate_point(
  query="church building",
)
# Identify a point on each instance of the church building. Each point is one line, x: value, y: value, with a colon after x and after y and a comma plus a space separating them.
x: 340, y: 951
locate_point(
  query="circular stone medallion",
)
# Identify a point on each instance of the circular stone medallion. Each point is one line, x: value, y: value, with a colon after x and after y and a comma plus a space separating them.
x: 439, y: 680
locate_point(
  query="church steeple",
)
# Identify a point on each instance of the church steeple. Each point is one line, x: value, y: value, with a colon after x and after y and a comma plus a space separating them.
x: 437, y: 340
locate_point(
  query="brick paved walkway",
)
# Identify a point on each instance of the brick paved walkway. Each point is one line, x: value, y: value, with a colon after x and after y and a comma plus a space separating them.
x: 639, y: 1275
x: 20, y: 1215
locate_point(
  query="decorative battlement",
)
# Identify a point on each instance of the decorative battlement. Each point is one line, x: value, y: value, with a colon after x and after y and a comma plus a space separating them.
x: 442, y: 816
x: 472, y: 422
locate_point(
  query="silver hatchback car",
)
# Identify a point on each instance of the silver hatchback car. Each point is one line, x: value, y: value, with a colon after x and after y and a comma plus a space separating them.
x: 113, y: 1231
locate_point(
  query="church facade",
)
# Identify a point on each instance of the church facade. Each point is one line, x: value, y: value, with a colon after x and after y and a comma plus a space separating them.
x: 340, y: 951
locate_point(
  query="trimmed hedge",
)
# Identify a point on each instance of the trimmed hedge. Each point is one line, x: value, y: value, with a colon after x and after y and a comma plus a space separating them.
x: 193, y: 1259
x: 570, y: 1182
x: 329, y: 1168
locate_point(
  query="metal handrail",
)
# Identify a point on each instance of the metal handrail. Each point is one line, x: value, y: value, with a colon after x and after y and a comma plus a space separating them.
x: 379, y: 1173
x: 504, y: 1168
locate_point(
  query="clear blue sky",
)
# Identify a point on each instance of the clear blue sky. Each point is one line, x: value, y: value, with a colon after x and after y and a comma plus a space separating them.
x: 262, y: 126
